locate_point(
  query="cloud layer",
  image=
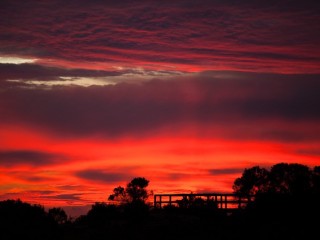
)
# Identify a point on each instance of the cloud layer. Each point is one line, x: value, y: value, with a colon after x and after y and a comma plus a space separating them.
x: 279, y: 36
x: 225, y: 104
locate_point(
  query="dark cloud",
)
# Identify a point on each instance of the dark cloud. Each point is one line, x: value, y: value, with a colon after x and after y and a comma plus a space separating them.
x: 43, y: 192
x: 279, y: 36
x: 225, y: 104
x: 70, y: 187
x: 103, y: 176
x: 36, y: 178
x: 33, y: 71
x: 33, y: 158
x: 68, y: 197
x: 309, y: 152
x: 225, y: 171
x: 177, y: 176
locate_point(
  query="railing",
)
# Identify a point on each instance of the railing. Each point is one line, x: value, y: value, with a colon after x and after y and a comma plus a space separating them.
x: 226, y: 201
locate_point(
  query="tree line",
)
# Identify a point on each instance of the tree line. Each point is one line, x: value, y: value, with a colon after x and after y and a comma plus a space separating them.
x: 282, y: 178
x: 284, y: 195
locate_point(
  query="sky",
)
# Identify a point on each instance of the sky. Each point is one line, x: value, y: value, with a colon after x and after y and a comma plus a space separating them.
x: 184, y: 93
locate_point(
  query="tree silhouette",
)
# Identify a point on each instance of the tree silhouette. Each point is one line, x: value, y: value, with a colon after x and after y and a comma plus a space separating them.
x: 119, y: 194
x: 133, y: 197
x: 101, y: 213
x: 58, y: 215
x: 282, y: 178
x: 252, y: 181
x: 316, y: 180
x: 286, y: 192
x: 21, y: 220
x: 290, y: 178
x: 135, y: 191
x: 277, y: 212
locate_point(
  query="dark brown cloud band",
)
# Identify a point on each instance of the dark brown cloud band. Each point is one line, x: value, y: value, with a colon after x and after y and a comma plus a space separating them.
x: 257, y: 36
x: 224, y: 104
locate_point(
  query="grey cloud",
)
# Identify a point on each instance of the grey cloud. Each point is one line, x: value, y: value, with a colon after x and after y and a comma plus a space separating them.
x: 102, y: 176
x: 177, y: 176
x: 43, y: 192
x: 204, y: 33
x: 34, y: 158
x: 35, y: 178
x: 69, y: 197
x: 309, y: 152
x: 225, y: 171
x: 34, y: 71
x: 244, y: 105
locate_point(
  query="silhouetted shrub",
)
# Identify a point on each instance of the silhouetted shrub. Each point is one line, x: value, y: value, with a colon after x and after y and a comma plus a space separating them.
x: 137, y: 209
x: 23, y: 220
x: 102, y: 212
x: 283, y: 178
x: 135, y: 191
x: 58, y: 215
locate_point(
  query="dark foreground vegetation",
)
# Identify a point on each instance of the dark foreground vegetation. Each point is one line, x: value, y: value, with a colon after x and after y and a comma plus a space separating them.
x: 286, y: 206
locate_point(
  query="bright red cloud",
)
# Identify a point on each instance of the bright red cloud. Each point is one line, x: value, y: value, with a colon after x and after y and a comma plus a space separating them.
x: 91, y: 168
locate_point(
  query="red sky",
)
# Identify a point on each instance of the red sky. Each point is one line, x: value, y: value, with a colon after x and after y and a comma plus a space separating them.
x: 185, y: 93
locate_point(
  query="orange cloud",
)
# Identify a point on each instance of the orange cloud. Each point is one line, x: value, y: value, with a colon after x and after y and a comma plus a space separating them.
x: 91, y: 168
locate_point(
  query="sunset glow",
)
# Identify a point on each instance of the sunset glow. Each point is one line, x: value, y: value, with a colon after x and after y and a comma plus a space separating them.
x: 93, y: 94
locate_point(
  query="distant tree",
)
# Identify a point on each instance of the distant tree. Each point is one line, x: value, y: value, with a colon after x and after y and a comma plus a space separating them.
x: 133, y: 197
x: 291, y: 178
x: 22, y: 220
x: 19, y: 211
x: 119, y: 195
x: 58, y: 215
x: 286, y: 191
x: 283, y: 178
x: 135, y: 191
x: 252, y: 181
x: 100, y: 213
